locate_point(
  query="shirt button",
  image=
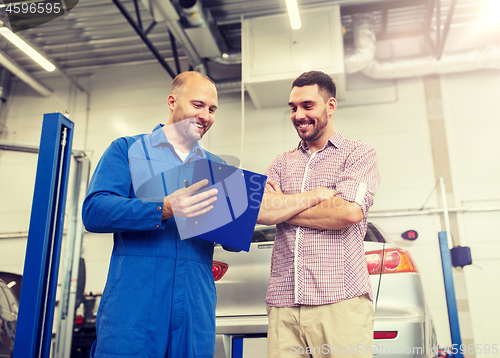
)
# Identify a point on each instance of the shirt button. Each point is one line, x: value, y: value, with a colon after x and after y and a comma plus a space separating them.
x: 157, y: 226
x: 158, y: 208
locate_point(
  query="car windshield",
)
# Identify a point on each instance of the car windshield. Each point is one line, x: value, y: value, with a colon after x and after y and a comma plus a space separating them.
x: 262, y: 234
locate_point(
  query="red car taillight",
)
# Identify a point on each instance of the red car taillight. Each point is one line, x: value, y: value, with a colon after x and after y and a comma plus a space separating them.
x: 395, y: 260
x: 78, y: 319
x: 219, y: 269
x: 385, y: 334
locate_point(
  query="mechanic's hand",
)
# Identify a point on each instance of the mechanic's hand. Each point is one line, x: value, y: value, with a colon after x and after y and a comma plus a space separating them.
x: 184, y: 204
x: 272, y: 187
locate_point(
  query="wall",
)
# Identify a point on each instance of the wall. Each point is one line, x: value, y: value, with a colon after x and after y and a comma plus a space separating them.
x: 472, y: 116
x: 127, y: 101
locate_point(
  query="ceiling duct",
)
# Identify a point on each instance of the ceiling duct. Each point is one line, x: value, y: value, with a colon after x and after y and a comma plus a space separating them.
x: 192, y: 11
x: 482, y: 58
x: 164, y: 11
x: 364, y: 43
x: 193, y: 27
x: 201, y: 29
x: 363, y: 57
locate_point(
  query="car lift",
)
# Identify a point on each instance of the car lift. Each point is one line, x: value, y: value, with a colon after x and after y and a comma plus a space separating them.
x: 458, y: 256
x: 451, y: 301
x: 38, y: 293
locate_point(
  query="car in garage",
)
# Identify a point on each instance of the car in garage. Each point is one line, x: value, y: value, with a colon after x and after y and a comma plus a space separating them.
x: 14, y: 281
x: 403, y: 324
x: 9, y: 306
x: 84, y: 332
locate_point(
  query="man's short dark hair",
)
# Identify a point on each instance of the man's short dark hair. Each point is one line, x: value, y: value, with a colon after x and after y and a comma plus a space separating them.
x: 326, y: 86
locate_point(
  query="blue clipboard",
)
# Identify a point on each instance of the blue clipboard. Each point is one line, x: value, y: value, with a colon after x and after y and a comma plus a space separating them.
x: 232, y: 220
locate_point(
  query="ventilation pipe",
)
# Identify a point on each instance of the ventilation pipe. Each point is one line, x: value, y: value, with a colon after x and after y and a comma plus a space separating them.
x: 193, y: 13
x: 363, y: 57
x: 164, y: 11
x: 201, y: 29
x: 199, y: 36
x: 482, y: 58
x: 364, y: 44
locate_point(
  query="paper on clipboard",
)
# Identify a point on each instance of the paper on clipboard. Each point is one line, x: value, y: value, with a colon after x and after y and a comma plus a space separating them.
x: 232, y: 220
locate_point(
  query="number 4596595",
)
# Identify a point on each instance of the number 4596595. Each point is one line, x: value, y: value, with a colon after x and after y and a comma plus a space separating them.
x: 32, y: 8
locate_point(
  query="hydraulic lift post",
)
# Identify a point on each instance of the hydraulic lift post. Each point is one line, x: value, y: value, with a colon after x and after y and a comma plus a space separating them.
x: 445, y: 240
x: 451, y: 302
x: 41, y: 265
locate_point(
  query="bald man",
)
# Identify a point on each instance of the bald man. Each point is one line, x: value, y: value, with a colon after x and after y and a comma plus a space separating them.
x: 159, y: 300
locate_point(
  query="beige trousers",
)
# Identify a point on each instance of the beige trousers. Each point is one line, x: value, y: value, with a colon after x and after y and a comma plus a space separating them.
x: 342, y: 329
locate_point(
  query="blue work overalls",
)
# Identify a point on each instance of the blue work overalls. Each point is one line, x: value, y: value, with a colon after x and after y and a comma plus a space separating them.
x: 159, y: 300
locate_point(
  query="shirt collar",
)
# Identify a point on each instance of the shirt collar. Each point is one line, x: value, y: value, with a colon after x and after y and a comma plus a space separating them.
x: 198, y: 150
x: 336, y: 140
x: 158, y: 137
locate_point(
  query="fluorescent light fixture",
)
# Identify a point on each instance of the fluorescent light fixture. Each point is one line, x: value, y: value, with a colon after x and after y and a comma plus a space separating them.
x: 27, y: 49
x: 293, y: 14
x: 493, y: 13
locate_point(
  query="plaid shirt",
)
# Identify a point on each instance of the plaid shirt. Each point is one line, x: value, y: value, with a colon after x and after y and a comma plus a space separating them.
x: 317, y: 267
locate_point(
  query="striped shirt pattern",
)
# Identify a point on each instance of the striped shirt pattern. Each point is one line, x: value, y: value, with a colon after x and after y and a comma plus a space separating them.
x: 316, y: 267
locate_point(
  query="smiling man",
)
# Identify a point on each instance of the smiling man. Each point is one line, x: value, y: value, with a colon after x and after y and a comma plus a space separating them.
x: 192, y: 103
x: 159, y: 299
x: 319, y: 292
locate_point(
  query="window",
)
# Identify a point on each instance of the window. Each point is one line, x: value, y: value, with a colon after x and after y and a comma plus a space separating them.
x: 373, y: 235
x: 264, y: 234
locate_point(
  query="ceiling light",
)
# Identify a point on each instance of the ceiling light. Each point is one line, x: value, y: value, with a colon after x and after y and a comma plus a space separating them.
x: 293, y: 14
x: 493, y: 13
x: 27, y: 49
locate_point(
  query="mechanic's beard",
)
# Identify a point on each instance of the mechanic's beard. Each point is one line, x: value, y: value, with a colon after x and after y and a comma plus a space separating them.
x: 316, y: 131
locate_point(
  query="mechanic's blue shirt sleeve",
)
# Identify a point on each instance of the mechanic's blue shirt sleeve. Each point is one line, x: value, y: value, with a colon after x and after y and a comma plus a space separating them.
x: 111, y: 205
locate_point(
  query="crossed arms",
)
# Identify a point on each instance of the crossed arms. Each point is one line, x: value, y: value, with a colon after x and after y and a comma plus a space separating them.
x: 317, y: 209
